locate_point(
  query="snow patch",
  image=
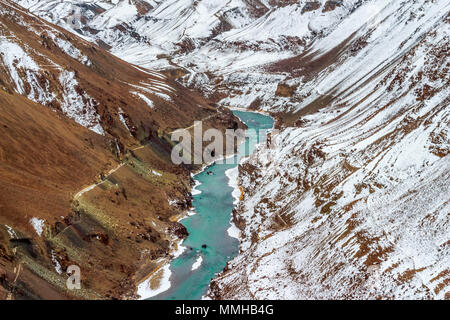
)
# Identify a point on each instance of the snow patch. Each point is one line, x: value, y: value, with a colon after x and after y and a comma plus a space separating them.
x: 11, y: 232
x: 38, y: 225
x: 232, y: 175
x: 124, y: 122
x: 195, y: 191
x: 234, y: 231
x: 58, y: 268
x: 69, y: 49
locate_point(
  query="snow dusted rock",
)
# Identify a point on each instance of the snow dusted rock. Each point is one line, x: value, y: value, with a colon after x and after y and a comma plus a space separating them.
x: 29, y: 71
x: 38, y: 225
x: 354, y: 202
x: 218, y: 47
x: 186, y: 29
x: 79, y: 107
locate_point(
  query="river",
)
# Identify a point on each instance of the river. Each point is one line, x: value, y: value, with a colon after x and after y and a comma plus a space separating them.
x: 213, y: 203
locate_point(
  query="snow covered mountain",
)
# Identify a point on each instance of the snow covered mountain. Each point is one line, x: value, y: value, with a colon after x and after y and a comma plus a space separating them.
x: 353, y: 199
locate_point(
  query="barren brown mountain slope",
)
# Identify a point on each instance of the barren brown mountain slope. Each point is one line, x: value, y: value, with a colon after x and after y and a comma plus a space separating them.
x: 85, y: 170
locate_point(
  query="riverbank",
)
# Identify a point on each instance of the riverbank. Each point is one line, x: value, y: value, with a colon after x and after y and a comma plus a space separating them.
x: 212, y: 240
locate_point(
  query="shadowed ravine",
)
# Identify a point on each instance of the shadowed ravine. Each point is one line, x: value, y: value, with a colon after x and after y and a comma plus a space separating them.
x: 213, y: 207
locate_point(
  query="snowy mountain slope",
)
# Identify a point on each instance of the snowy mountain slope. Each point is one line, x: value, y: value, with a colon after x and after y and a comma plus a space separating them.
x: 354, y: 202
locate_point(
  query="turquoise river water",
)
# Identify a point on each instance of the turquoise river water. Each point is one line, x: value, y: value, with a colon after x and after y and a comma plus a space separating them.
x: 213, y: 207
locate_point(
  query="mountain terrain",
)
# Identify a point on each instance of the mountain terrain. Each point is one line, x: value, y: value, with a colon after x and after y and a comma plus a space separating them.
x: 351, y: 199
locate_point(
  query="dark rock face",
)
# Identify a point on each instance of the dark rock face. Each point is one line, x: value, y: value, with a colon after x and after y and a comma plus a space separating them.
x: 179, y: 230
x: 282, y: 3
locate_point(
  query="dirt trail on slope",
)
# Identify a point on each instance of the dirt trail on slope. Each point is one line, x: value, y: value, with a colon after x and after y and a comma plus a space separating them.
x: 93, y: 186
